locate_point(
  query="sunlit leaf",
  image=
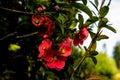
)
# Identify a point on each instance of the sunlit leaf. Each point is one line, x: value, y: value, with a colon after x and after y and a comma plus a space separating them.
x: 91, y: 20
x: 103, y: 11
x: 73, y: 25
x: 96, y: 2
x: 82, y: 7
x: 94, y: 60
x: 102, y: 22
x: 13, y: 47
x: 100, y: 37
x: 110, y: 28
x: 92, y: 34
x: 93, y: 53
x: 84, y: 2
x: 94, y: 5
x: 81, y: 20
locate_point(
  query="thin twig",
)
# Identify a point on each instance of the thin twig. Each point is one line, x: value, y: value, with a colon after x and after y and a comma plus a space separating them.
x: 23, y: 36
x: 109, y: 3
x: 8, y: 35
x: 16, y: 11
x: 103, y: 1
x: 86, y: 53
x: 23, y: 12
x: 27, y: 35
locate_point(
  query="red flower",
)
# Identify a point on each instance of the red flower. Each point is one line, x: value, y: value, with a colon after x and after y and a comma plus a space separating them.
x: 54, y: 61
x: 45, y: 24
x: 44, y: 47
x: 80, y: 36
x: 37, y: 20
x: 65, y: 48
x: 68, y: 40
x: 47, y: 27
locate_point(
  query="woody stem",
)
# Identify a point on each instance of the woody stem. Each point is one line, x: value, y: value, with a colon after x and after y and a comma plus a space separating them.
x: 86, y: 53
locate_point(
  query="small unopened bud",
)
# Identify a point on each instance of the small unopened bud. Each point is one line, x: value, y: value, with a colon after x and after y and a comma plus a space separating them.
x: 56, y: 7
x: 40, y: 9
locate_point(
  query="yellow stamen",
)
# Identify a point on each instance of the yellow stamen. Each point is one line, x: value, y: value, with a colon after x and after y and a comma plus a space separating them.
x: 55, y: 58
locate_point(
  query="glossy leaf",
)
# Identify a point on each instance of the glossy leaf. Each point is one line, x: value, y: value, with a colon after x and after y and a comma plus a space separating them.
x: 94, y: 5
x: 81, y: 20
x: 91, y: 20
x: 61, y: 26
x: 73, y: 25
x: 92, y: 34
x: 93, y: 53
x: 110, y: 28
x: 84, y: 2
x: 102, y: 22
x: 96, y: 2
x: 14, y: 47
x: 103, y: 11
x: 100, y: 37
x: 94, y: 60
x: 83, y: 8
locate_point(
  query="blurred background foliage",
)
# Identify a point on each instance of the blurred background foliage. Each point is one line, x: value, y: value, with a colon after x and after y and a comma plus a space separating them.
x: 18, y: 57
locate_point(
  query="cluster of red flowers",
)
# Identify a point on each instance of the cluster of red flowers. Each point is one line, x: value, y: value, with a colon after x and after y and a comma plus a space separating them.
x: 55, y: 58
x: 45, y: 24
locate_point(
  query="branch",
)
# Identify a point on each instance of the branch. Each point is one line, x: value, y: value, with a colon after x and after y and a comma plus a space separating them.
x: 109, y: 3
x: 23, y: 36
x: 86, y: 53
x: 22, y: 12
x: 27, y: 35
x: 16, y: 11
x: 103, y: 1
x: 8, y: 35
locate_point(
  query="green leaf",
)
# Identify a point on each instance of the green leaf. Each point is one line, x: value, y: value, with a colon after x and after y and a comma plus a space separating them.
x: 103, y: 11
x: 91, y: 20
x: 82, y: 7
x: 92, y: 34
x: 96, y: 2
x: 81, y: 20
x: 94, y: 60
x: 14, y: 47
x: 60, y: 25
x: 110, y: 28
x: 32, y: 4
x: 102, y: 22
x: 62, y: 18
x: 60, y: 2
x: 84, y: 2
x: 102, y: 37
x: 93, y: 53
x: 94, y: 5
x: 105, y: 20
x: 73, y: 25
